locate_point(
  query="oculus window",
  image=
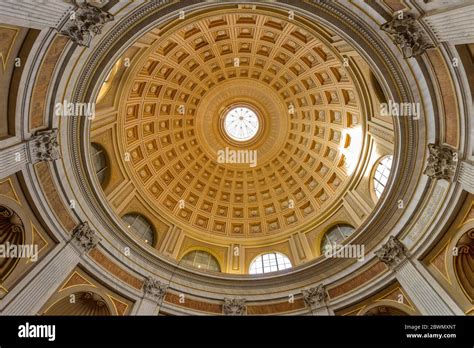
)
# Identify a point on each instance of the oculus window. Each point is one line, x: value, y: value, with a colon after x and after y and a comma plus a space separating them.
x: 241, y: 123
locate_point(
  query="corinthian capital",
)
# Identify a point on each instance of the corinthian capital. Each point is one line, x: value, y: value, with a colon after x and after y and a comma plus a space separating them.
x: 392, y: 253
x: 85, y: 237
x: 234, y: 306
x: 407, y: 33
x: 154, y: 288
x: 442, y: 162
x: 316, y: 296
x: 86, y: 22
x: 44, y: 146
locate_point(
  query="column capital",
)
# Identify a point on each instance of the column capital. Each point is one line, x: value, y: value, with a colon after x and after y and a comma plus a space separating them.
x: 316, y: 297
x: 154, y: 288
x: 85, y: 237
x: 44, y: 146
x: 407, y: 33
x: 234, y: 306
x: 392, y: 253
x: 86, y: 22
x: 442, y: 162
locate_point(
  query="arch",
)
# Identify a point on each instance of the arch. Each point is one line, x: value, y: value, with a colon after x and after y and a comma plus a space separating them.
x: 463, y: 262
x: 335, y: 235
x: 201, y: 259
x: 19, y: 266
x: 101, y: 162
x: 269, y: 262
x: 141, y: 227
x: 12, y: 233
x: 86, y: 303
x: 384, y: 310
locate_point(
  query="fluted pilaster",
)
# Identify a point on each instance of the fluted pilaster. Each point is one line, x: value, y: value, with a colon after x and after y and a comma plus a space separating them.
x: 317, y: 300
x: 39, y: 289
x: 419, y: 286
x: 453, y: 25
x: 32, y: 297
x: 153, y: 294
x: 35, y: 14
x: 13, y: 159
x: 466, y: 176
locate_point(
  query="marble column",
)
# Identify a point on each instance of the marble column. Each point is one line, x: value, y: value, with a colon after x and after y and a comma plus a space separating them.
x: 80, y: 20
x: 466, y: 176
x: 421, y: 288
x: 154, y: 293
x: 317, y: 300
x: 43, y: 146
x: 30, y: 299
x: 452, y: 25
x: 35, y: 14
x: 13, y: 159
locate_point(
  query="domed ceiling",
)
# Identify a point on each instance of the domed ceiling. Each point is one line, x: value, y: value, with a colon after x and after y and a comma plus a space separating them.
x: 242, y: 159
x: 306, y: 114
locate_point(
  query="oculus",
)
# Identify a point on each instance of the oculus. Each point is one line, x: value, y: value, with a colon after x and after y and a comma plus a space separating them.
x: 241, y: 124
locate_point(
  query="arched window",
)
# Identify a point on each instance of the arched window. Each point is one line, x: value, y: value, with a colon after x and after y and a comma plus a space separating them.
x: 202, y: 260
x: 335, y: 236
x: 141, y: 227
x: 99, y: 158
x: 464, y: 262
x: 381, y: 174
x: 271, y: 262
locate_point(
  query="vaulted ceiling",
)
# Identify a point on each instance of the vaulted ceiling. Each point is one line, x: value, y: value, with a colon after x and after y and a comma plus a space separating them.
x: 167, y: 97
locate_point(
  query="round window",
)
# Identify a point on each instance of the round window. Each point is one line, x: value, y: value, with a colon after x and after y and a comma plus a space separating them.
x: 241, y: 123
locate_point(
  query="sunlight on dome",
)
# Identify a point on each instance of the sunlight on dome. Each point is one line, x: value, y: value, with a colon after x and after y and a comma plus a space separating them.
x: 350, y: 148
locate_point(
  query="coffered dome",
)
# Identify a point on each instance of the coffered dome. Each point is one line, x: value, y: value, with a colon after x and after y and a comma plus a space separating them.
x: 288, y: 174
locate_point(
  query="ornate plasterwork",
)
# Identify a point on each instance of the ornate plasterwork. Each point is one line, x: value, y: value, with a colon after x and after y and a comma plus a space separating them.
x: 392, y: 253
x: 316, y: 296
x: 86, y: 22
x: 305, y: 160
x: 234, y: 306
x: 407, y: 33
x: 44, y: 146
x: 85, y: 237
x: 154, y: 288
x: 80, y: 93
x: 442, y: 162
